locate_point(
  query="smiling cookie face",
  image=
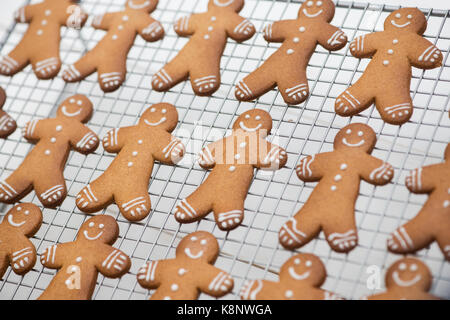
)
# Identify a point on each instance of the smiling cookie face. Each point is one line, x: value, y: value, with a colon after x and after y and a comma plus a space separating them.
x: 254, y: 121
x: 161, y: 115
x: 304, y: 267
x: 26, y: 217
x: 320, y: 9
x: 77, y: 107
x: 406, y: 19
x: 409, y: 273
x: 356, y: 136
x: 145, y: 5
x: 236, y: 5
x: 199, y: 245
x: 100, y: 228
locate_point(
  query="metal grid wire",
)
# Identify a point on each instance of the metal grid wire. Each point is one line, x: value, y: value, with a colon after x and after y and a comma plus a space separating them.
x: 252, y: 250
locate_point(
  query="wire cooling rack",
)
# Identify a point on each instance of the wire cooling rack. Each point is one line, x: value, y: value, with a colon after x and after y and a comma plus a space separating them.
x: 252, y: 250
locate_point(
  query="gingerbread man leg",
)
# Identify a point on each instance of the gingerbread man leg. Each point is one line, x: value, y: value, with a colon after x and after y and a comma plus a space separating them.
x: 95, y: 196
x: 294, y: 89
x: 355, y: 99
x: 134, y: 204
x: 229, y: 212
x: 256, y: 83
x: 15, y: 186
x: 80, y: 69
x: 395, y: 106
x: 15, y: 61
x: 342, y: 236
x: 3, y: 264
x: 171, y: 74
x: 194, y: 207
x: 111, y: 75
x: 205, y: 79
x: 51, y: 192
x: 46, y: 65
x: 300, y: 229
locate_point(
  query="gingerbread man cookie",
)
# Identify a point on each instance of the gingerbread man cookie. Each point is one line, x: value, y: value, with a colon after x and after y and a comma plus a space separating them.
x: 42, y: 169
x: 432, y: 223
x: 126, y: 180
x: 407, y: 279
x: 331, y: 205
x: 232, y: 160
x: 200, y: 57
x: 122, y: 28
x: 286, y: 68
x: 80, y: 261
x: 19, y: 224
x: 40, y: 44
x: 190, y: 273
x: 386, y: 80
x: 7, y: 124
x: 300, y: 279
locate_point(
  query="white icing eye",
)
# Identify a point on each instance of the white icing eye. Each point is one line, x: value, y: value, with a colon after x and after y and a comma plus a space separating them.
x: 348, y: 131
x: 310, y: 3
x: 297, y: 261
x: 91, y: 224
x: 258, y: 118
x: 72, y: 100
x: 194, y: 238
x: 360, y: 133
x: 413, y: 267
x: 27, y: 212
x: 308, y: 263
x: 79, y: 102
x: 402, y: 267
x: 398, y: 15
x: 409, y: 16
x: 101, y: 226
x: 247, y: 116
x: 19, y: 208
x: 318, y: 3
x: 203, y: 242
x: 164, y: 110
x: 152, y: 110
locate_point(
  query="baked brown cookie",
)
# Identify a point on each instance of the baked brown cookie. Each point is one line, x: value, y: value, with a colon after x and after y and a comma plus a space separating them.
x: 109, y: 56
x: 126, y: 180
x: 331, y: 205
x: 80, y: 261
x: 40, y: 44
x: 300, y: 279
x: 232, y: 160
x: 386, y: 80
x: 200, y: 57
x: 19, y: 224
x: 42, y: 169
x: 190, y: 273
x: 432, y: 223
x: 7, y: 124
x: 286, y: 68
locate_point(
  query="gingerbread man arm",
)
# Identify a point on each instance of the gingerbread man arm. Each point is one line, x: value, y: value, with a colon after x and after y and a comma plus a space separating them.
x: 313, y: 168
x: 115, y: 139
x: 376, y: 171
x: 270, y: 156
x: 169, y: 149
x: 331, y: 37
x: 113, y: 263
x: 215, y: 282
x: 25, y: 14
x: 149, y: 275
x: 103, y: 21
x: 274, y: 32
x: 22, y: 256
x: 239, y: 28
x: 207, y: 157
x: 186, y: 26
x: 31, y: 131
x: 53, y: 256
x: 85, y: 140
x: 421, y: 180
x: 424, y: 54
x: 150, y: 29
x: 364, y: 46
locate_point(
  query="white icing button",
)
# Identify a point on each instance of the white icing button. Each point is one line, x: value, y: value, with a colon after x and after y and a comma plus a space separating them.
x: 338, y: 177
x: 139, y: 141
x: 446, y: 203
x: 237, y: 157
x: 114, y: 37
x: 181, y: 271
x: 395, y: 41
x: 343, y: 166
x: 78, y: 259
x: 210, y: 28
x: 243, y: 144
x: 213, y: 18
x: 120, y: 27
x: 39, y: 32
x: 290, y: 51
x: 48, y: 12
x: 53, y: 140
x: 296, y: 39
x: 125, y: 18
x: 386, y: 62
x: 390, y: 51
x: 47, y: 152
x: 130, y: 164
x: 302, y: 29
x: 58, y: 128
x: 289, y: 294
x: 44, y: 22
x: 174, y: 287
x: 333, y: 188
x: 232, y: 168
x: 206, y: 36
x: 135, y: 153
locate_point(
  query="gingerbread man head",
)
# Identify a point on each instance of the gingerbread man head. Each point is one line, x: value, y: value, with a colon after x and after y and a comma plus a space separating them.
x: 235, y: 5
x: 200, y: 246
x: 406, y: 19
x: 101, y: 228
x: 144, y: 5
x: 76, y: 107
x: 24, y: 217
x: 320, y: 9
x: 303, y: 268
x: 256, y: 120
x: 355, y: 136
x: 409, y: 274
x: 162, y: 115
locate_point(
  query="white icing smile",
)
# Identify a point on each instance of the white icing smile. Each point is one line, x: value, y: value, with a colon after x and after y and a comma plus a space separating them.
x: 403, y: 283
x: 245, y: 128
x: 70, y: 114
x: 297, y: 276
x: 86, y: 235
x: 358, y: 144
x: 312, y: 15
x: 154, y: 124
x: 400, y: 25
x: 223, y: 4
x: 188, y: 252
x: 132, y: 5
x: 14, y: 224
